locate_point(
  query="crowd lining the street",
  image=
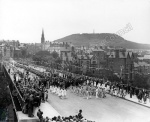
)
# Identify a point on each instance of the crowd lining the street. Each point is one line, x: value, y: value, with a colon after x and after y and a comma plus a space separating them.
x: 34, y: 88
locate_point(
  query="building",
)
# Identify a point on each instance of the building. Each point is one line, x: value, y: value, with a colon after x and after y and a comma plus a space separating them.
x: 6, y: 51
x: 64, y: 50
x: 142, y: 67
x: 42, y: 40
x: 121, y: 62
x: 146, y: 58
x: 99, y: 54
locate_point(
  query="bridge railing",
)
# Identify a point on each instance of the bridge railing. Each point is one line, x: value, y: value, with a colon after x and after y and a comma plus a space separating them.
x: 14, y: 91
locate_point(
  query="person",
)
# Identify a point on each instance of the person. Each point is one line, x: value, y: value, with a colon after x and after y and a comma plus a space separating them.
x: 57, y: 90
x: 144, y: 98
x: 100, y: 92
x: 108, y: 88
x: 131, y: 92
x: 46, y: 95
x: 42, y: 94
x: 97, y: 90
x: 104, y: 93
x: 65, y: 93
x: 38, y: 99
x: 124, y: 93
x: 60, y: 93
x: 40, y: 115
x: 24, y: 109
x: 80, y: 114
x: 30, y: 106
x: 87, y: 92
x: 140, y: 96
x: 112, y: 91
x: 116, y: 92
x: 90, y: 91
x: 46, y: 119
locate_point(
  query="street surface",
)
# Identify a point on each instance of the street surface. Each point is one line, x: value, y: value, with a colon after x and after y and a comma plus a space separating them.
x: 109, y: 109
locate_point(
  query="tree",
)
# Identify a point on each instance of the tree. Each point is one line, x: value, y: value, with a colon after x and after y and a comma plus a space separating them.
x: 54, y: 54
x: 41, y: 56
x: 42, y: 53
x: 24, y: 53
x: 141, y: 81
x: 58, y: 60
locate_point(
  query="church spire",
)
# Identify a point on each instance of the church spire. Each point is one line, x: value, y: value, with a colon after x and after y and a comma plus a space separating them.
x: 42, y: 37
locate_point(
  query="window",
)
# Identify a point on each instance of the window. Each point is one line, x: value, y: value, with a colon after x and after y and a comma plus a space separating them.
x: 93, y: 62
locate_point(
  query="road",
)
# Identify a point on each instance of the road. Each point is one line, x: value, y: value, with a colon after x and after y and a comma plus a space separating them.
x: 109, y: 109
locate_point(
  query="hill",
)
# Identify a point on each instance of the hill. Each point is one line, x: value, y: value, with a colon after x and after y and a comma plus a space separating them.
x: 102, y: 39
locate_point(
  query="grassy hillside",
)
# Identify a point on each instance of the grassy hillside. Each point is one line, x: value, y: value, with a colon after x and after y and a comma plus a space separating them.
x: 107, y: 39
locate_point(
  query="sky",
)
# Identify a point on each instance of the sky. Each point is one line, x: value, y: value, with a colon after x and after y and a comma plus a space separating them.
x: 24, y: 20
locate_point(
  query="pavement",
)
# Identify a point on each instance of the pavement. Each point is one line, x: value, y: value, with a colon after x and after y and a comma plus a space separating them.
x: 135, y: 100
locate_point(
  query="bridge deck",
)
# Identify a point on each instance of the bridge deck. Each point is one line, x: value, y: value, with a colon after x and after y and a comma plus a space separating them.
x: 101, y: 110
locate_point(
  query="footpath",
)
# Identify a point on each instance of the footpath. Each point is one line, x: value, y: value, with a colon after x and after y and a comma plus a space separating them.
x: 135, y: 100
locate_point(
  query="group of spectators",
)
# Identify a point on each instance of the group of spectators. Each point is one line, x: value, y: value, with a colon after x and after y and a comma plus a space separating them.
x: 34, y: 89
x: 30, y: 87
x: 76, y: 118
x: 99, y: 86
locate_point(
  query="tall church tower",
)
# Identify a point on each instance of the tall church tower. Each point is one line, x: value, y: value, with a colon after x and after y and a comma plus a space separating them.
x: 43, y: 41
x: 42, y: 37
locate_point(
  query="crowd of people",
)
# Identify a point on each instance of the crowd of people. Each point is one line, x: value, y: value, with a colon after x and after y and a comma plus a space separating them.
x: 34, y: 88
x: 90, y: 86
x: 61, y: 92
x: 31, y: 88
x: 75, y: 118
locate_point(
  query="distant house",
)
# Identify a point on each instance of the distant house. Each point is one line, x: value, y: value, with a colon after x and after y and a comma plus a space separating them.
x: 6, y: 51
x: 146, y: 58
x: 142, y: 67
x: 94, y: 61
x: 100, y: 56
x: 121, y: 62
x: 17, y: 52
x: 66, y: 54
x: 64, y: 50
x: 33, y: 48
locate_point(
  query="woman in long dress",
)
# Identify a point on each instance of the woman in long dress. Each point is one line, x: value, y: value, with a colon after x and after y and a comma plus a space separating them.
x: 65, y: 93
x: 116, y: 92
x: 62, y: 93
x: 87, y: 92
x: 97, y: 90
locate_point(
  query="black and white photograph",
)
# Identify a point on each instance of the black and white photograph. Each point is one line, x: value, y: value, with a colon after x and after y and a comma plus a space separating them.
x: 74, y: 60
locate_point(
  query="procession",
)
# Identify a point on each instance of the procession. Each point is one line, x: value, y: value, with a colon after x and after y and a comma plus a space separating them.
x: 35, y: 89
